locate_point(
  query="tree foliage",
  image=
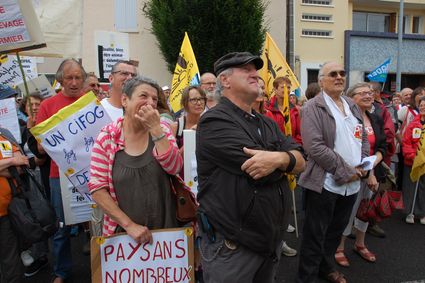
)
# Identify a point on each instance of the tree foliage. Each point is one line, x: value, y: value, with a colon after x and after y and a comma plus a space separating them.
x: 215, y: 27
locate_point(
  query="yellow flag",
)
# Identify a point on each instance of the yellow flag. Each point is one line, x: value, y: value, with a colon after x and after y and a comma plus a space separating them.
x: 418, y: 167
x: 275, y: 66
x: 185, y: 74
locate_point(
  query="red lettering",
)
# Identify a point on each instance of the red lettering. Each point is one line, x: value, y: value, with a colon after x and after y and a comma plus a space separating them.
x: 2, y: 11
x: 181, y: 248
x: 137, y: 275
x: 4, y: 111
x: 187, y: 271
x: 160, y: 274
x: 167, y: 249
x: 180, y: 275
x: 134, y: 249
x: 152, y: 275
x: 148, y: 253
x: 108, y: 250
x: 128, y: 275
x: 109, y: 277
x: 14, y: 23
x: 158, y: 251
x: 120, y: 253
x: 11, y: 39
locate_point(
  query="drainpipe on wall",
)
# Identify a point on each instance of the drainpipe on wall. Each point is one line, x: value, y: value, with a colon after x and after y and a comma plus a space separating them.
x: 290, y: 58
x: 400, y: 44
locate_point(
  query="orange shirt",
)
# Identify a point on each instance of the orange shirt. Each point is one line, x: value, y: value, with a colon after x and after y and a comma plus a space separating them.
x: 7, y: 150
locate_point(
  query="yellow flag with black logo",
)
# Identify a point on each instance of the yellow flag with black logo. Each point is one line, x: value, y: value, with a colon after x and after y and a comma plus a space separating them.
x: 185, y: 74
x: 418, y: 167
x: 275, y: 66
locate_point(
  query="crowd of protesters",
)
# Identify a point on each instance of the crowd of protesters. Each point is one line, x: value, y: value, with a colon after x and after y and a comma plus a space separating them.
x: 243, y: 158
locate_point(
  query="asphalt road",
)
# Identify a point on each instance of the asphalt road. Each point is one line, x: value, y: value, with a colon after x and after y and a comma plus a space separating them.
x: 400, y: 257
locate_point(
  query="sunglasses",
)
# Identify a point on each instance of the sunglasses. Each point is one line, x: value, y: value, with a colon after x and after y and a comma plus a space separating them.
x: 125, y: 74
x: 335, y: 74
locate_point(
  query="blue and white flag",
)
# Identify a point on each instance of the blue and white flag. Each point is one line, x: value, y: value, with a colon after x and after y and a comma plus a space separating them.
x: 380, y: 73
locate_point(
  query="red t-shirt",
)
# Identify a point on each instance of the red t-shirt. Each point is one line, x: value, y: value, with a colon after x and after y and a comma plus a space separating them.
x: 48, y: 108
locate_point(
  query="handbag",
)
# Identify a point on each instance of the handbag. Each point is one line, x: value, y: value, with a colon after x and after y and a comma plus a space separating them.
x: 367, y: 210
x: 384, y: 208
x: 30, y: 214
x: 186, y: 204
x: 396, y: 199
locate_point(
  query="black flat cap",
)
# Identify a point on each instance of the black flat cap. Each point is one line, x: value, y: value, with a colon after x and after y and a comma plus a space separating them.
x: 235, y: 59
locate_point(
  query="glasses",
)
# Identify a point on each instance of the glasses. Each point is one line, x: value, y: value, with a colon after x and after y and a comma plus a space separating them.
x: 363, y: 93
x: 94, y: 85
x: 335, y: 74
x: 197, y: 100
x: 125, y: 74
x: 211, y: 83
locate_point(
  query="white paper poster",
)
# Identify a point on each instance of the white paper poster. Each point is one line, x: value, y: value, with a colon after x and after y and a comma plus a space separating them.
x: 190, y: 164
x: 12, y: 24
x: 115, y: 47
x: 9, y: 117
x: 11, y: 75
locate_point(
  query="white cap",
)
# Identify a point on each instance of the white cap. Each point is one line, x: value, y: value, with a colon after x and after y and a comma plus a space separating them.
x: 166, y: 87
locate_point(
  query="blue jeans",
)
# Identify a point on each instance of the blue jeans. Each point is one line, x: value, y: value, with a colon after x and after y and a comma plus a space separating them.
x: 61, y: 247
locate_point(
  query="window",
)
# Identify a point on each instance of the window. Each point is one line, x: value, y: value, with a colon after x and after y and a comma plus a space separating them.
x: 417, y: 23
x: 319, y: 18
x: 372, y: 22
x: 318, y: 2
x: 125, y: 15
x: 316, y: 33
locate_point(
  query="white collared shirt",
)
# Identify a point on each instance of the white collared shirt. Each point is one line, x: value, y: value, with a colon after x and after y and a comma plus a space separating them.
x: 348, y: 144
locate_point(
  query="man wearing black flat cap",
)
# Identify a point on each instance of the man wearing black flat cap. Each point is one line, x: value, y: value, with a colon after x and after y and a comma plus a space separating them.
x: 241, y: 156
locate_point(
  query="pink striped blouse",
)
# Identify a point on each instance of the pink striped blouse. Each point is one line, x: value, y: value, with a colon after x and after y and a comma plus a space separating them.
x: 111, y: 140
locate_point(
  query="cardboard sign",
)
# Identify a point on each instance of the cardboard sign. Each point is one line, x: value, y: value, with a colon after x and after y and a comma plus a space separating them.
x: 9, y: 117
x: 119, y: 258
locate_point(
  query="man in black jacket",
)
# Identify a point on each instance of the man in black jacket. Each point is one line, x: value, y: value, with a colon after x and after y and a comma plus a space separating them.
x: 242, y: 157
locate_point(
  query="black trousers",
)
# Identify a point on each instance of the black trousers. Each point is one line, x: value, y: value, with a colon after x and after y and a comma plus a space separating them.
x: 10, y: 261
x: 326, y: 217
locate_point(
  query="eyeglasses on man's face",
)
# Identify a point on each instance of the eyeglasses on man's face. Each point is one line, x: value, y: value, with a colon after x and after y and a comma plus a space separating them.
x: 197, y: 100
x: 125, y: 73
x: 335, y: 74
x: 94, y: 85
x: 363, y: 93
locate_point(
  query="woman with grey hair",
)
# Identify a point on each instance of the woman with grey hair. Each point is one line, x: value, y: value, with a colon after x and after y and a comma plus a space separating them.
x: 131, y: 163
x: 373, y: 127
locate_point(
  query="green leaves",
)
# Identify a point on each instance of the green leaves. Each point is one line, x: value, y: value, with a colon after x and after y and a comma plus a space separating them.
x: 215, y: 27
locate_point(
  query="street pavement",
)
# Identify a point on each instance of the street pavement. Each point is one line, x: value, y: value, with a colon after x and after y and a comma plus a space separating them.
x: 400, y: 256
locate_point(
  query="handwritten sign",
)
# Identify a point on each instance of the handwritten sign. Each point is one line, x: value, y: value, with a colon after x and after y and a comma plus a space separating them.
x: 68, y: 138
x: 9, y: 117
x: 10, y: 73
x: 40, y: 84
x: 169, y: 258
x: 12, y: 24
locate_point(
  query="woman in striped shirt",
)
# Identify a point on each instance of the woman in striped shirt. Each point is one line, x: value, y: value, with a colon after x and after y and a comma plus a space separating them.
x: 131, y: 163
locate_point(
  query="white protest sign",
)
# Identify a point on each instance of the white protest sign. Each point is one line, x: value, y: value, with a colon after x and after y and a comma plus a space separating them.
x: 189, y: 159
x: 9, y: 117
x: 11, y: 75
x: 115, y: 47
x: 68, y: 138
x: 169, y: 258
x: 12, y: 24
x: 40, y: 84
x: 77, y: 206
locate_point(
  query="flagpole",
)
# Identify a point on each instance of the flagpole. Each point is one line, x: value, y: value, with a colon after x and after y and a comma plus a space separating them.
x: 295, y: 212
x: 400, y: 42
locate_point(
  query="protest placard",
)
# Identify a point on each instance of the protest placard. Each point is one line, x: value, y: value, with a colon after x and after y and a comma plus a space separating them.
x: 190, y: 164
x: 111, y: 47
x: 9, y: 117
x: 10, y: 73
x: 40, y: 84
x: 170, y: 258
x: 68, y: 138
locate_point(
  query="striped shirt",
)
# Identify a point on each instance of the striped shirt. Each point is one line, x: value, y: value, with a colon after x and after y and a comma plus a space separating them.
x: 108, y: 143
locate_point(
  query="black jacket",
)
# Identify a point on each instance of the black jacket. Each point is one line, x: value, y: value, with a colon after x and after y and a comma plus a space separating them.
x: 243, y: 210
